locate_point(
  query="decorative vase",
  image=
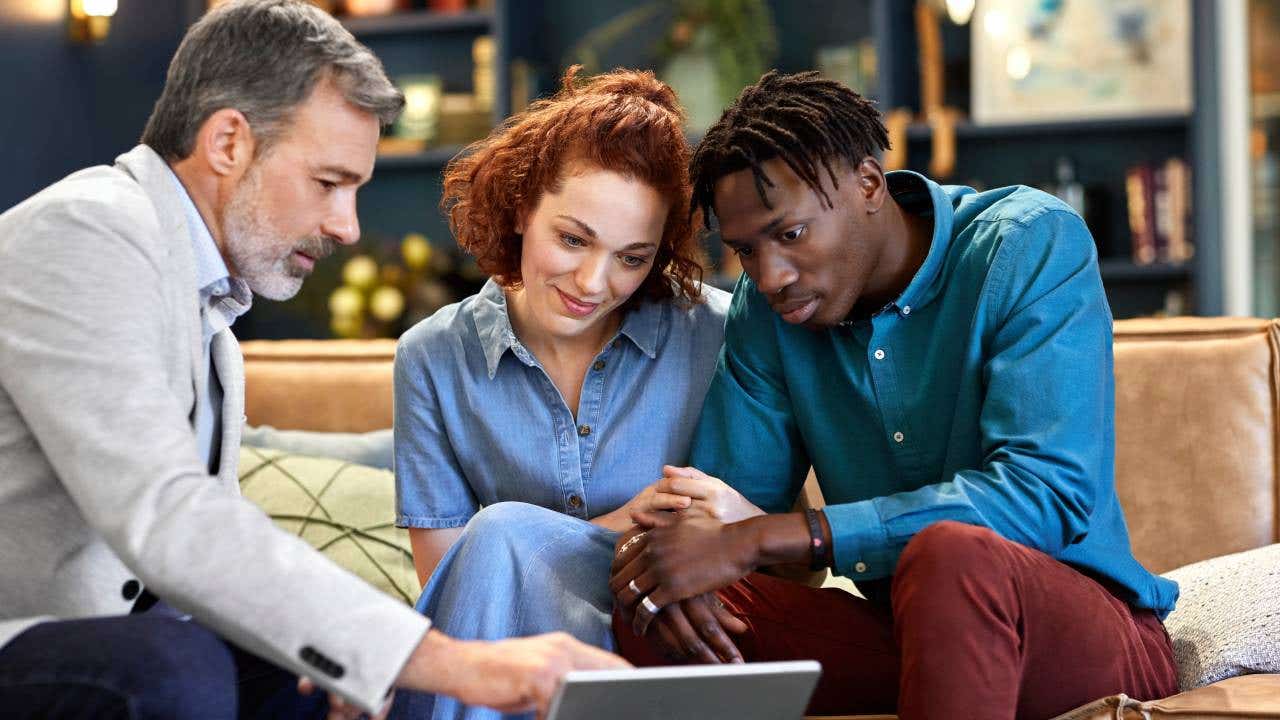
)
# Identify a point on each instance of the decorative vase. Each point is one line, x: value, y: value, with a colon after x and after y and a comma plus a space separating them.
x: 691, y: 72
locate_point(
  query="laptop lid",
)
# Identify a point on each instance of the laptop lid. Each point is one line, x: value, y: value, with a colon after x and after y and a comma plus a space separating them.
x: 750, y: 691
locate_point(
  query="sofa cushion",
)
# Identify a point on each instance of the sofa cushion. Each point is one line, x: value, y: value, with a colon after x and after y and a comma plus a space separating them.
x: 346, y: 511
x: 1196, y: 437
x: 1227, y: 621
x: 373, y: 448
x: 328, y: 385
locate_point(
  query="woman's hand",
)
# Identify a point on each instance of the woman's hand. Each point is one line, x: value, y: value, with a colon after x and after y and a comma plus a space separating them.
x: 649, y: 500
x: 711, y: 497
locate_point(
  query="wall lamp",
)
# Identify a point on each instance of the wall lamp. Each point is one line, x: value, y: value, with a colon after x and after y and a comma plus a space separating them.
x: 88, y: 21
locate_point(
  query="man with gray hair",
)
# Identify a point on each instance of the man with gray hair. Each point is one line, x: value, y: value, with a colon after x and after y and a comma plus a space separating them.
x: 134, y: 581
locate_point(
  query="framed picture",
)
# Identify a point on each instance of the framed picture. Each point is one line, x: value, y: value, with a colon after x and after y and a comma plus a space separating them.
x: 1054, y: 60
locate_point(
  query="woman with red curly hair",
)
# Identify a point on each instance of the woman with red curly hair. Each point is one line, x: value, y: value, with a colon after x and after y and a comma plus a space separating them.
x: 553, y: 398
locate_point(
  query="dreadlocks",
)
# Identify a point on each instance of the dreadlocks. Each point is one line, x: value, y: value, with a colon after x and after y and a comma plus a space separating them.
x: 805, y: 119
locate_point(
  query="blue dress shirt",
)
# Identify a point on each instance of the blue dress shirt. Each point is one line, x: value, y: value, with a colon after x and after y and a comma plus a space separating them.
x: 478, y: 421
x: 222, y: 300
x: 984, y: 394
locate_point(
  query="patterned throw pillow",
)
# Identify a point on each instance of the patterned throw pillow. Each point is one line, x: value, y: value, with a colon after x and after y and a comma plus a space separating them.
x: 1227, y: 621
x: 345, y: 511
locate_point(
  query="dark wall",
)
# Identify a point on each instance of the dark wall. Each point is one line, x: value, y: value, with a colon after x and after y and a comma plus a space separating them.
x: 65, y: 106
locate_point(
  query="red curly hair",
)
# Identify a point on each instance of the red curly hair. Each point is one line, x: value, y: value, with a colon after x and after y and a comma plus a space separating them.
x: 625, y: 121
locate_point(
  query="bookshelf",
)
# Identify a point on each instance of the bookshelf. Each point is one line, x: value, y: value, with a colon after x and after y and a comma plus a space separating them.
x: 1100, y: 152
x: 968, y: 130
x: 541, y: 34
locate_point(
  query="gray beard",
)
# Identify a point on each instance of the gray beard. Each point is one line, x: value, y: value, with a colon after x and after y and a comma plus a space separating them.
x: 262, y: 257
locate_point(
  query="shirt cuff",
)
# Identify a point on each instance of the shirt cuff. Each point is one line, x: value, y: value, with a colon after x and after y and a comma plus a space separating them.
x: 859, y: 545
x: 422, y: 522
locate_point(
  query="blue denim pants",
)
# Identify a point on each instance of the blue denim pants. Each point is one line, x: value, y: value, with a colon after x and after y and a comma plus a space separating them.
x: 517, y: 570
x: 139, y: 667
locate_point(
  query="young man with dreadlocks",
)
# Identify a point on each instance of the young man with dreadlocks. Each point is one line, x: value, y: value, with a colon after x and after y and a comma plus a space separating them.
x: 942, y: 359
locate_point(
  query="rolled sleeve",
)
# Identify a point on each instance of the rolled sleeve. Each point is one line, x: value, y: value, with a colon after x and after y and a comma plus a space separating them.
x: 431, y: 490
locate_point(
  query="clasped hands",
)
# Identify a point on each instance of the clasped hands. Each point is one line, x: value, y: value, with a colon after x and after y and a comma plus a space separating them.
x: 666, y: 570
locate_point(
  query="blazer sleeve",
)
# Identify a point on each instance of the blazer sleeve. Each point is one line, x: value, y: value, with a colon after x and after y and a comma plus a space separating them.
x: 85, y: 327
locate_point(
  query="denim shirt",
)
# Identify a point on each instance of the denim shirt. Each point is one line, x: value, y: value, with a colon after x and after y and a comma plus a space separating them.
x: 478, y: 421
x: 983, y: 394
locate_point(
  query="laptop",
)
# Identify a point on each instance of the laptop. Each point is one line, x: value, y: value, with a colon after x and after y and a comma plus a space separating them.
x: 750, y: 691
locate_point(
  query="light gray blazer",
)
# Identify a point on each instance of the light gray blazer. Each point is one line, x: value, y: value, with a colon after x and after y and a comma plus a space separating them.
x: 101, y: 482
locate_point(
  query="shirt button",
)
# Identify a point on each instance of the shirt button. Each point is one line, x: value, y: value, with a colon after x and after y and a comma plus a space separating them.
x: 879, y: 354
x: 575, y: 501
x: 584, y: 430
x: 860, y: 567
x: 906, y: 309
x: 598, y: 365
x: 899, y: 437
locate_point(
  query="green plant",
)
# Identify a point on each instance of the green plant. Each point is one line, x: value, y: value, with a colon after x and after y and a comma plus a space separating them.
x: 743, y: 39
x: 741, y: 35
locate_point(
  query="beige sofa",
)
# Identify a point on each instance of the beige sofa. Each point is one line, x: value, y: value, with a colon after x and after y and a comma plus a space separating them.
x: 1197, y: 449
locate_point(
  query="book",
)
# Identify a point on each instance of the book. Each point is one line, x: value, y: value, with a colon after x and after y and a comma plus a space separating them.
x: 1139, y: 189
x: 1159, y: 209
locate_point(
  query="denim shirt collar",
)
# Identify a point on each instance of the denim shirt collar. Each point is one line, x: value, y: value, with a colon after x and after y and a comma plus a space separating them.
x: 916, y: 193
x: 642, y: 325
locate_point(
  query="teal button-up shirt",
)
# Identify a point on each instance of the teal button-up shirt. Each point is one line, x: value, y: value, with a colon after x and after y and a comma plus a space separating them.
x: 984, y: 394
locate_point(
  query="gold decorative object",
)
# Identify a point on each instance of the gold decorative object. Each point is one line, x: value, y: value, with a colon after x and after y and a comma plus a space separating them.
x: 483, y: 79
x: 346, y: 302
x: 941, y: 118
x: 942, y: 163
x: 390, y: 286
x: 416, y: 251
x: 360, y: 272
x: 896, y: 123
x: 386, y: 303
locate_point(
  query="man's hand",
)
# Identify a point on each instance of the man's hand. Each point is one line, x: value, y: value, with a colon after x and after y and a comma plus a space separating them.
x: 511, y: 676
x: 676, y: 559
x: 340, y: 709
x: 697, y: 629
x: 694, y: 628
x: 711, y: 496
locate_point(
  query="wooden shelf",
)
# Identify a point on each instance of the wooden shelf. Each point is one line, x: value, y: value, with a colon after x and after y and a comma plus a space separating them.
x: 1119, y: 270
x: 966, y: 129
x: 418, y: 22
x: 433, y: 158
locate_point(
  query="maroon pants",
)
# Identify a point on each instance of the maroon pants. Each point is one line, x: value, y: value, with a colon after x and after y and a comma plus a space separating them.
x: 977, y: 627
